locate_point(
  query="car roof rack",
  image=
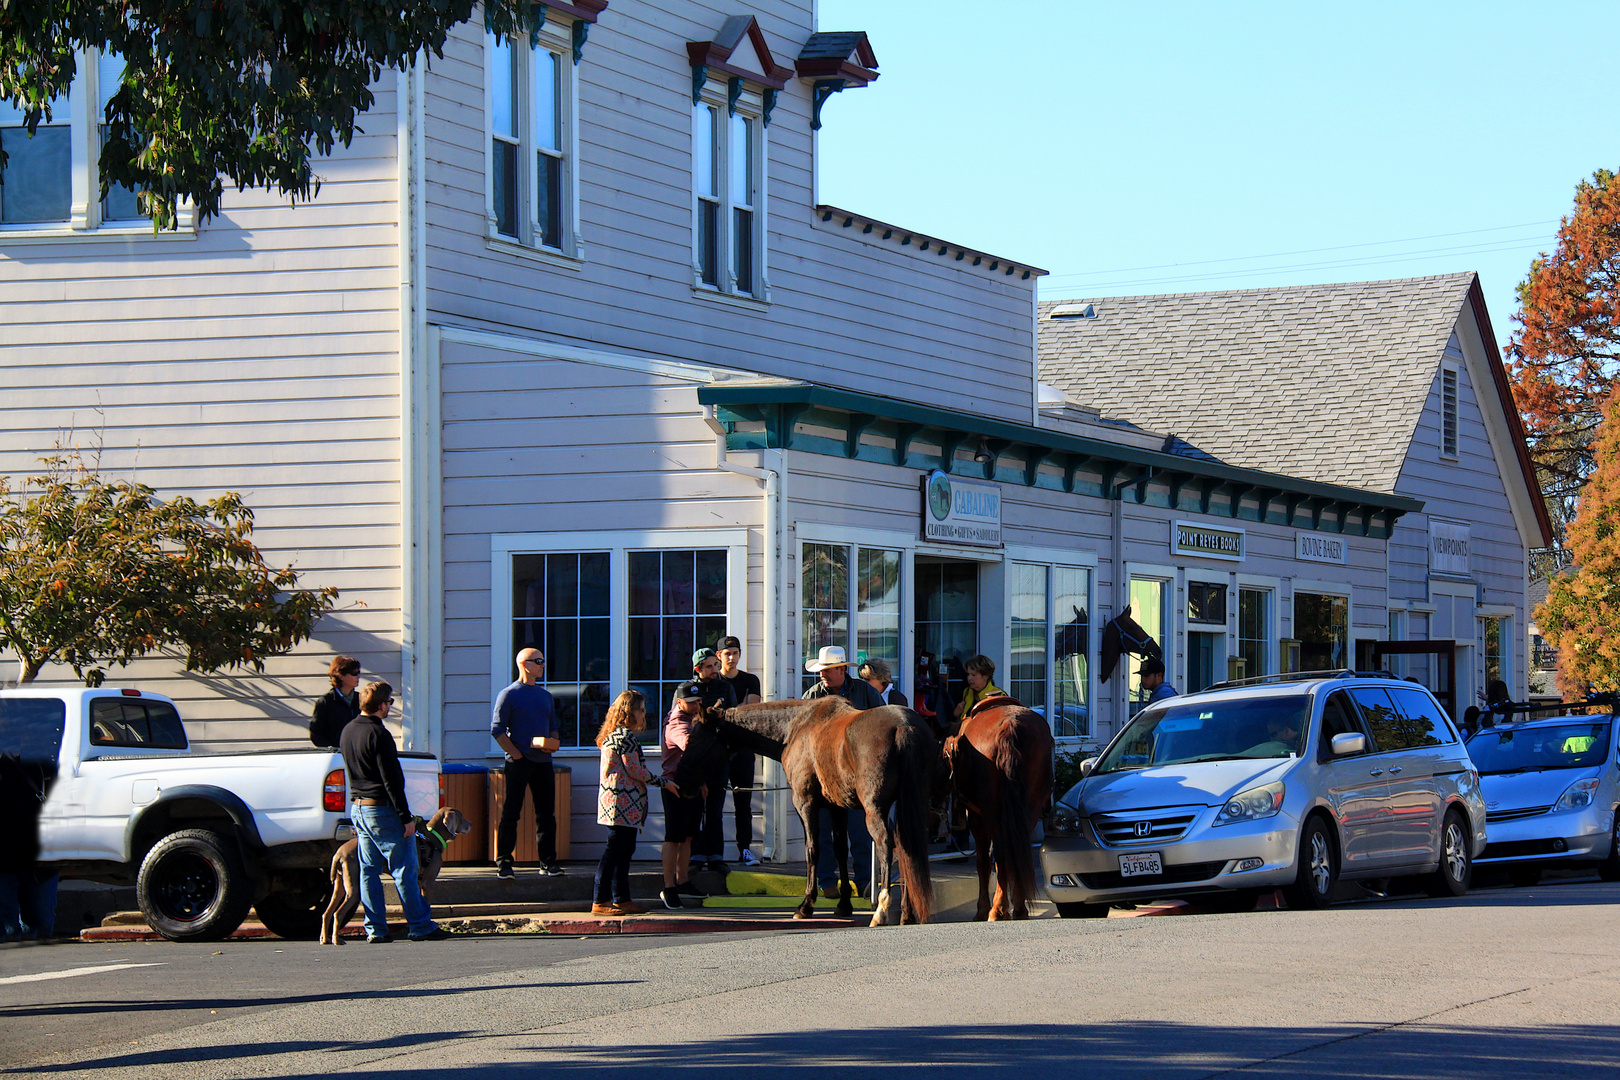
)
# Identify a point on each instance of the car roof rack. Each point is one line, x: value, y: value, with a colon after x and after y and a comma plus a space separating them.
x: 1300, y: 676
x: 1534, y: 711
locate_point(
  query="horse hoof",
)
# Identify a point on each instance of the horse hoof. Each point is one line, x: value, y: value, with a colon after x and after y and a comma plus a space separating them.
x: 845, y: 911
x: 801, y: 914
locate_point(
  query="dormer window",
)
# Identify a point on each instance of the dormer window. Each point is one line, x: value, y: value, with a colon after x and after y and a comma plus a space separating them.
x: 735, y: 83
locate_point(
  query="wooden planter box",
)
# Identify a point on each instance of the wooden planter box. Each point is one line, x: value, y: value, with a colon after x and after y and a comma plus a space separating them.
x: 524, y: 850
x: 469, y: 793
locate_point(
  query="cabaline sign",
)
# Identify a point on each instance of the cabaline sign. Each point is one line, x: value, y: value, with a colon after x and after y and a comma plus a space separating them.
x: 961, y: 511
x: 1314, y: 547
x: 1206, y: 542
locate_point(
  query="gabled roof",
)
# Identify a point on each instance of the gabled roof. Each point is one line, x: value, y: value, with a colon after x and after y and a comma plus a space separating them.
x: 1323, y: 382
x: 717, y: 54
x: 845, y: 54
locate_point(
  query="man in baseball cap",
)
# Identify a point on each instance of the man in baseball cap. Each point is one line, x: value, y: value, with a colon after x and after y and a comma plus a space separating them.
x: 1152, y: 671
x: 708, y: 836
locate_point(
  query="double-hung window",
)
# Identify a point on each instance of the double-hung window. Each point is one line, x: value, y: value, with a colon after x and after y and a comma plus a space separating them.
x: 531, y: 106
x: 52, y: 179
x: 728, y: 184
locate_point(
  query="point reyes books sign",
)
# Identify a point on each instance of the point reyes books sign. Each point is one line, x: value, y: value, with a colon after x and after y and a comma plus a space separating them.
x: 1206, y: 542
x: 959, y: 511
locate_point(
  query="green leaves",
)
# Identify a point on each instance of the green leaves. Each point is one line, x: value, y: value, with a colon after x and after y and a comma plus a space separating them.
x: 225, y: 90
x: 97, y: 573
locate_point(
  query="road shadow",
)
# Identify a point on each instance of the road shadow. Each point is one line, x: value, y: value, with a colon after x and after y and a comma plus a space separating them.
x: 1119, y: 1051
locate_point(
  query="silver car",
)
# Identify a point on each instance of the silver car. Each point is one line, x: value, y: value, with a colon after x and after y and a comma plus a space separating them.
x: 1551, y: 787
x: 1293, y: 782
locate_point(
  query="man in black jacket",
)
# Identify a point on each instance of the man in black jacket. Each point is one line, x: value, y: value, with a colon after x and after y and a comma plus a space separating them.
x: 833, y: 668
x: 382, y: 819
x: 340, y: 704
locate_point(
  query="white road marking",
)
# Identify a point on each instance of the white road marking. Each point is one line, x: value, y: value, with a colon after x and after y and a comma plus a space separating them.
x: 68, y: 973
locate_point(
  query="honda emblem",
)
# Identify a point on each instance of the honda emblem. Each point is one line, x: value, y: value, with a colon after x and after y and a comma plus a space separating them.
x: 1144, y: 828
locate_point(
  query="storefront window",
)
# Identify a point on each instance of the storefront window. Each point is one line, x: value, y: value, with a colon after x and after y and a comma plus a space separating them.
x: 1150, y: 608
x: 947, y: 612
x: 1322, y: 625
x: 1491, y: 636
x: 677, y: 605
x: 1071, y: 704
x: 1026, y: 667
x: 560, y: 606
x: 824, y: 600
x: 877, y: 609
x: 1254, y: 631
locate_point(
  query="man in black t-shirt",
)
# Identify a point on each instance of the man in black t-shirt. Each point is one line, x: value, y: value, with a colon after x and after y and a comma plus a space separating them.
x: 745, y: 688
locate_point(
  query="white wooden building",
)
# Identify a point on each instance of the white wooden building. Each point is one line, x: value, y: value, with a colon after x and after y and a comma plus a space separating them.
x: 569, y: 352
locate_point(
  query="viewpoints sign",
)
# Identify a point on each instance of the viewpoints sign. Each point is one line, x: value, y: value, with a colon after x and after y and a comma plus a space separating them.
x: 1448, y: 547
x: 1206, y: 542
x: 959, y: 511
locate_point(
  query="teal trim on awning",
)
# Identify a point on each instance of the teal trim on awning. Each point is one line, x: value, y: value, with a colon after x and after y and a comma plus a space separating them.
x: 1186, y: 484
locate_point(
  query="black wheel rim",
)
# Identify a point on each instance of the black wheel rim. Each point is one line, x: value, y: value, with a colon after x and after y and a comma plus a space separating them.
x: 189, y: 886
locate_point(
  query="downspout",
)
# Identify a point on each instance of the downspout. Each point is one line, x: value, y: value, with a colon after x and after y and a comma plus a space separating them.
x: 775, y: 803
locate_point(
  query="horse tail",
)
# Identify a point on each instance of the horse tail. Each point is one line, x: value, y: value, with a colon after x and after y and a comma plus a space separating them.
x: 1013, y: 849
x: 918, y: 756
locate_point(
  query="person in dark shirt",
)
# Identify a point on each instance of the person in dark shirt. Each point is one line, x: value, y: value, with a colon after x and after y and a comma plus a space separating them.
x: 340, y: 704
x: 709, y: 837
x: 525, y: 725
x: 383, y: 824
x: 833, y: 668
x: 745, y: 688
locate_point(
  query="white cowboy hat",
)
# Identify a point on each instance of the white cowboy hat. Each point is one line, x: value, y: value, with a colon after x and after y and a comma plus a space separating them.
x: 830, y: 656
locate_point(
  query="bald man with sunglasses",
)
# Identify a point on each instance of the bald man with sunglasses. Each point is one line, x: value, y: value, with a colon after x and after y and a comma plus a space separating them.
x: 525, y: 726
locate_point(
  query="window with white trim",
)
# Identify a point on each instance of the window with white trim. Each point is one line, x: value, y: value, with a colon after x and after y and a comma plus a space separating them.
x: 1049, y: 606
x: 531, y: 105
x: 1448, y: 411
x: 52, y: 179
x: 851, y: 586
x: 728, y: 184
x: 1254, y: 631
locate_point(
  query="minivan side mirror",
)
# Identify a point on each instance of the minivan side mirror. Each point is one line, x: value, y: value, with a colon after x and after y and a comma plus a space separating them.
x: 1087, y: 765
x: 1349, y: 742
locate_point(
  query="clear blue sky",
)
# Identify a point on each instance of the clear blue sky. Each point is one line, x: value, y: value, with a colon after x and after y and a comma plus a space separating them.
x: 1136, y: 147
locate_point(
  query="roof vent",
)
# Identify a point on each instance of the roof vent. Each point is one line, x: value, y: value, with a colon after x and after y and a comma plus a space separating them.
x: 1073, y: 311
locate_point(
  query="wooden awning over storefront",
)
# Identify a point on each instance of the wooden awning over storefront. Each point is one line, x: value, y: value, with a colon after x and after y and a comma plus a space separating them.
x: 790, y: 415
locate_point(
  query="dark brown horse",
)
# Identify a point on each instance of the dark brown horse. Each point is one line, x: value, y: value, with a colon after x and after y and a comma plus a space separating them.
x: 839, y: 758
x: 1122, y: 634
x: 1001, y: 767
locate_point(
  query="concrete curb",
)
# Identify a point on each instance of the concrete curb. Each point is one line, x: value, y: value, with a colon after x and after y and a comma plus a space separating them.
x: 569, y: 923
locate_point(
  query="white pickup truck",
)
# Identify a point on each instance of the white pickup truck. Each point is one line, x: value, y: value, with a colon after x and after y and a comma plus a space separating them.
x: 204, y: 837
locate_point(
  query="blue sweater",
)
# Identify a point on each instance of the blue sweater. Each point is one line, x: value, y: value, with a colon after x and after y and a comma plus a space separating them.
x: 522, y: 713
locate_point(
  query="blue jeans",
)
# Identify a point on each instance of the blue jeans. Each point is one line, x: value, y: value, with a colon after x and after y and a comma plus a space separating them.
x: 860, y: 850
x: 383, y: 847
x: 27, y: 905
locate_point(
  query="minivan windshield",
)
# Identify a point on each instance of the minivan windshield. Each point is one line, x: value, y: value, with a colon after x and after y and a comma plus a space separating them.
x: 1213, y: 730
x: 1552, y: 746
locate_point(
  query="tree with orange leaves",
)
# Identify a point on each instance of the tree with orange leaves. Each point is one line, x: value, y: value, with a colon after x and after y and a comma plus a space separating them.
x: 1583, y: 606
x: 1565, y: 354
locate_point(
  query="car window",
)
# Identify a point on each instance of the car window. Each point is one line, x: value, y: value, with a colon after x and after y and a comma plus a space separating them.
x: 1579, y: 743
x: 129, y: 722
x: 1426, y: 723
x: 1383, y: 721
x: 32, y: 729
x: 1338, y: 718
x: 1211, y: 730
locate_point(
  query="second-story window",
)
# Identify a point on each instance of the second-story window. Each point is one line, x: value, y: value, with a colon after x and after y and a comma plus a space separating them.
x: 1448, y: 412
x: 531, y: 126
x: 728, y: 173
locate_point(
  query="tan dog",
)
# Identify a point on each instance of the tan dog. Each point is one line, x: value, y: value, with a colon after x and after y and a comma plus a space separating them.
x: 443, y: 827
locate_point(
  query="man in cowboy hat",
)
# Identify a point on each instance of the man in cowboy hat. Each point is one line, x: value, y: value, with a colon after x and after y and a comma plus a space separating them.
x: 831, y: 664
x: 833, y: 668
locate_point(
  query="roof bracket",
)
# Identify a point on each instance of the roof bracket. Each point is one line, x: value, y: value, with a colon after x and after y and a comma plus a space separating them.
x: 903, y: 435
x: 858, y: 423
x: 1033, y: 457
x: 820, y: 91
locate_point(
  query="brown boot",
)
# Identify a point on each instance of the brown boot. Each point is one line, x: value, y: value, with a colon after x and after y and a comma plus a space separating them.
x: 605, y: 909
x: 629, y: 907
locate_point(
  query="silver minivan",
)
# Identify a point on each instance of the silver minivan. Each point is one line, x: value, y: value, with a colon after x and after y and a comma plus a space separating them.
x: 1551, y: 788
x: 1293, y: 782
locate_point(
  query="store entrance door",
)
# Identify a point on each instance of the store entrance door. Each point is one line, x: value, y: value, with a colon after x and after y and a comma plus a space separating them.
x: 946, y: 619
x: 1440, y: 678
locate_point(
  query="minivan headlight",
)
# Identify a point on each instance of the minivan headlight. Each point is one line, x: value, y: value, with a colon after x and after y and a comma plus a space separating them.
x: 1578, y: 796
x: 1252, y: 805
x: 1065, y: 819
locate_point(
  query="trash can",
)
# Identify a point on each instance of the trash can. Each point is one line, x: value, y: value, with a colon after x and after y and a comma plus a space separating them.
x: 466, y: 787
x: 524, y: 849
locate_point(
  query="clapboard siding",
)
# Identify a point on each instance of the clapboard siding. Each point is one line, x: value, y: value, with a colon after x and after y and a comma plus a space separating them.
x: 260, y: 356
x: 914, y: 326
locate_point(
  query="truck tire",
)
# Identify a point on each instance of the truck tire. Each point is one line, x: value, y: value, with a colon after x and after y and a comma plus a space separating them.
x: 193, y: 886
x: 294, y: 911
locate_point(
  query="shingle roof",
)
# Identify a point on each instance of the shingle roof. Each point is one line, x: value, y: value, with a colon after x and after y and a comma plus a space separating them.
x: 1322, y: 382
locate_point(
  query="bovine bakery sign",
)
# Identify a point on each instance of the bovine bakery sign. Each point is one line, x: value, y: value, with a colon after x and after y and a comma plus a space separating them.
x: 960, y: 511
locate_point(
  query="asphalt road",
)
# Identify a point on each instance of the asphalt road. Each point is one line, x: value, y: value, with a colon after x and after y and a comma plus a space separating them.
x: 1503, y: 983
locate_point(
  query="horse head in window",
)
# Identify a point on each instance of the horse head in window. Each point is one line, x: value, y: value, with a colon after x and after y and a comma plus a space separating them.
x: 1122, y: 635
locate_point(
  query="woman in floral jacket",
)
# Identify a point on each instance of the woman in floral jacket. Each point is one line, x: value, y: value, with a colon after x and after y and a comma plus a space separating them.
x: 622, y: 801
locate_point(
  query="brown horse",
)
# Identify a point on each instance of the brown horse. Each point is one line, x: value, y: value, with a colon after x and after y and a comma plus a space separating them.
x: 840, y: 758
x: 1001, y: 767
